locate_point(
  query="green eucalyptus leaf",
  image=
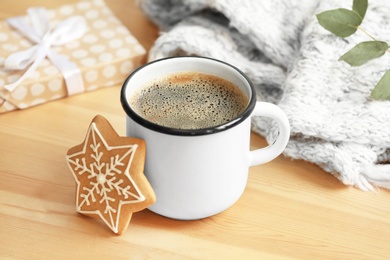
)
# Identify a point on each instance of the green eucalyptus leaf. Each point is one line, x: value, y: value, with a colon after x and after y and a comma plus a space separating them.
x: 364, y: 52
x: 360, y: 6
x: 341, y: 22
x: 382, y: 89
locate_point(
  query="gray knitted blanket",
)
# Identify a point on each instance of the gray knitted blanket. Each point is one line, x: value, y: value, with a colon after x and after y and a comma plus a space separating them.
x: 293, y: 62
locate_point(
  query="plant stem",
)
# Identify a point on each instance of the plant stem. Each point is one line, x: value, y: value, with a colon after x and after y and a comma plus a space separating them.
x: 369, y: 35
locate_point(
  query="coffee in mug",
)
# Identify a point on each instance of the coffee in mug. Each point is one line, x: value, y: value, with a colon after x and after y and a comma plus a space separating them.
x: 189, y: 100
x: 197, y: 167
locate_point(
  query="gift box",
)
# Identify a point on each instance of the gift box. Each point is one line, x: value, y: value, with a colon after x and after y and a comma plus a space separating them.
x: 51, y: 54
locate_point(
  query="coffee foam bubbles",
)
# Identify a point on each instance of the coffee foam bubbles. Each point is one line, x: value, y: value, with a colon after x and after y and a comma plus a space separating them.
x: 189, y: 100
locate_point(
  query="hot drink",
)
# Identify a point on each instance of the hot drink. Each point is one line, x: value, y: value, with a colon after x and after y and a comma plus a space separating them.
x: 189, y: 100
x: 198, y: 164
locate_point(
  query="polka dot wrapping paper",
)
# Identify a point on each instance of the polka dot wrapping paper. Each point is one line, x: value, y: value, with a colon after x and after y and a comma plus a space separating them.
x: 105, y: 55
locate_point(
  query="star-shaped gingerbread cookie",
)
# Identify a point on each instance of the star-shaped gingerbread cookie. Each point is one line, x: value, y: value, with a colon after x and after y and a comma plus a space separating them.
x: 108, y: 170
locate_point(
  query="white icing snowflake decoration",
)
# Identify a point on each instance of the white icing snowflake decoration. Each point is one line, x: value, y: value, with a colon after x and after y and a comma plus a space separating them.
x: 104, y: 183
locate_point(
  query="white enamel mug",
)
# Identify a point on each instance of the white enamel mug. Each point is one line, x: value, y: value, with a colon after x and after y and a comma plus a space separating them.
x: 199, y: 173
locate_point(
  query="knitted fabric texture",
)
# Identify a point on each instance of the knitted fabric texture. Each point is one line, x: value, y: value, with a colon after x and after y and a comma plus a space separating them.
x: 293, y: 62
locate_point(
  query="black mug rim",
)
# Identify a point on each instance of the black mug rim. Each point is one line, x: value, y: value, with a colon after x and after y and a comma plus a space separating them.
x: 187, y: 132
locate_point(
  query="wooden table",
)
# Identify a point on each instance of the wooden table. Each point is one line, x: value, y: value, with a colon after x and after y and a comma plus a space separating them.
x: 290, y: 209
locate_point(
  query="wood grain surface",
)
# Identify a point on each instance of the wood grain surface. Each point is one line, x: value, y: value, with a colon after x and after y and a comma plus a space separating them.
x: 289, y: 210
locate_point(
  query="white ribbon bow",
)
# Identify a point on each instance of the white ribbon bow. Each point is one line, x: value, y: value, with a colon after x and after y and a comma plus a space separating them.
x: 39, y: 33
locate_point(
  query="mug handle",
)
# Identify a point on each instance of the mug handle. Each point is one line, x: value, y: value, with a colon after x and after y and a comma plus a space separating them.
x: 270, y: 152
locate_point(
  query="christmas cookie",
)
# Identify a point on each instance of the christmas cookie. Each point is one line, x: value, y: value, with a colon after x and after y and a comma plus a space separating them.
x: 108, y: 170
